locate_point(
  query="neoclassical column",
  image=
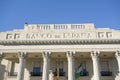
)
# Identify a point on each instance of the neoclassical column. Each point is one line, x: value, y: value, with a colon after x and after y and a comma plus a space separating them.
x: 46, y: 62
x: 117, y: 54
x: 71, y: 69
x: 96, y: 66
x: 22, y: 59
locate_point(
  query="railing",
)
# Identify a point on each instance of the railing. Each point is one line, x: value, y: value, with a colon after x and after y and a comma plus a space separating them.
x: 12, y: 73
x: 106, y: 73
x: 36, y: 73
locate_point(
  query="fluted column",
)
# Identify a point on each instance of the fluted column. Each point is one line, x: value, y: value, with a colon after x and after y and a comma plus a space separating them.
x: 71, y: 69
x: 96, y: 66
x: 117, y: 54
x: 46, y: 65
x: 22, y: 57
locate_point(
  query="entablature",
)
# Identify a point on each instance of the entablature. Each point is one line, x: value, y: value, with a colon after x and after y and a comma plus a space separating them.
x: 60, y: 34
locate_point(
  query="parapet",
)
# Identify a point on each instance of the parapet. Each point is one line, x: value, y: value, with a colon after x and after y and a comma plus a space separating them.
x: 58, y: 26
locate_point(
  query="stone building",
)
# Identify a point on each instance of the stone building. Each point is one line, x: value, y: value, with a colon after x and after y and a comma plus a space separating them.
x: 74, y: 51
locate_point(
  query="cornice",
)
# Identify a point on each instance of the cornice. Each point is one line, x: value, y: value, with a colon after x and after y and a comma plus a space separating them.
x: 59, y: 42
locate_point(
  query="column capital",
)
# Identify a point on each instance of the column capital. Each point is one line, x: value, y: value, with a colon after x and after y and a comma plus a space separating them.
x: 117, y: 54
x: 46, y: 54
x: 70, y: 53
x: 22, y: 54
x: 95, y: 53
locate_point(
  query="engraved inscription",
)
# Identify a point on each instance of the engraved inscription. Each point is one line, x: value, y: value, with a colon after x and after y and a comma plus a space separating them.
x: 62, y: 35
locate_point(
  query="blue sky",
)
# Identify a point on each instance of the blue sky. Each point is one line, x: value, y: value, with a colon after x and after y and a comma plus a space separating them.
x: 103, y: 13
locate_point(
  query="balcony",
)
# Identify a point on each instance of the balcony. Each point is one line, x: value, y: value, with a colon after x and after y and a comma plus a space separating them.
x: 106, y: 73
x: 36, y: 73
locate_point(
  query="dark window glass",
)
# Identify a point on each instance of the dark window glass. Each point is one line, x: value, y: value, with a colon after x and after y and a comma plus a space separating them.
x: 36, y: 69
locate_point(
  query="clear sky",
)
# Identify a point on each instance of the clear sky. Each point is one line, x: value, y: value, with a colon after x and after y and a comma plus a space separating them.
x: 103, y: 13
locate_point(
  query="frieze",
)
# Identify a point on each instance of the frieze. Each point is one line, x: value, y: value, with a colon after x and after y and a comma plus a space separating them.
x: 64, y: 35
x: 60, y: 31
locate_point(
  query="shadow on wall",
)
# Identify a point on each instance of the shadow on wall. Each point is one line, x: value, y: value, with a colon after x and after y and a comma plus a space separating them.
x: 2, y: 72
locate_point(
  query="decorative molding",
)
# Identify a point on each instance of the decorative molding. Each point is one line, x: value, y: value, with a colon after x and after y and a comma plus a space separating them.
x: 22, y: 54
x: 70, y: 53
x: 46, y: 54
x: 95, y: 53
x: 117, y: 54
x: 58, y: 41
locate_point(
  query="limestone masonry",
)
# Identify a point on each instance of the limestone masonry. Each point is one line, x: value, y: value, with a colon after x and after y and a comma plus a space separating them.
x: 60, y: 52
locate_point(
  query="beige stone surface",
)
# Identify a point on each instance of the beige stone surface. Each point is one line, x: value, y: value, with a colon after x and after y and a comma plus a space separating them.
x: 58, y: 39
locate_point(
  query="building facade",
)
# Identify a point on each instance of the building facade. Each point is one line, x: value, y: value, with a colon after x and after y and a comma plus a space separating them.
x: 60, y: 52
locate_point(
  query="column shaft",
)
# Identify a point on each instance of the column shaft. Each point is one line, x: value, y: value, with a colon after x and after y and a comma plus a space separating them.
x: 45, y: 75
x: 118, y: 60
x: 71, y: 70
x: 96, y: 66
x: 22, y: 56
